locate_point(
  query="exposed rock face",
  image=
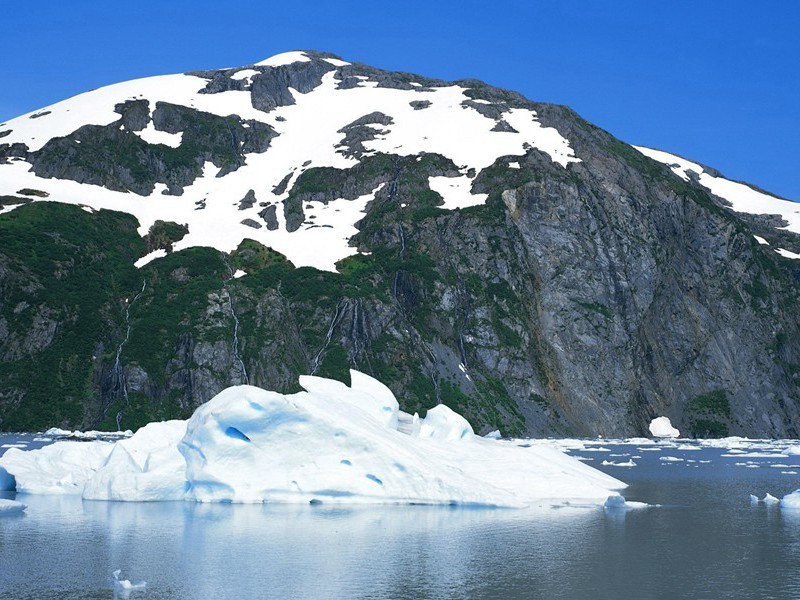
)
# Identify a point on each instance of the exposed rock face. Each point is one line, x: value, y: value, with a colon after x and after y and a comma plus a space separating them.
x: 577, y: 300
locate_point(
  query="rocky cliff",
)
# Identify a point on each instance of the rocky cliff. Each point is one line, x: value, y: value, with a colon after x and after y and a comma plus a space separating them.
x: 559, y: 282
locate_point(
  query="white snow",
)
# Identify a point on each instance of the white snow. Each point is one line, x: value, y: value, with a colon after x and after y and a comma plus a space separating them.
x: 787, y: 253
x: 331, y: 443
x: 455, y: 191
x: 245, y: 74
x: 662, y: 427
x: 151, y: 135
x: 793, y: 450
x: 742, y: 197
x: 150, y: 256
x: 285, y: 58
x: 308, y: 133
x: 761, y: 240
x: 239, y: 273
x: 11, y: 507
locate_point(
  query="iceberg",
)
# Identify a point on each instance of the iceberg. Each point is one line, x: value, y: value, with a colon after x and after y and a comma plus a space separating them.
x: 331, y: 443
x: 618, y: 502
x: 791, y: 501
x: 662, y: 427
x: 11, y: 507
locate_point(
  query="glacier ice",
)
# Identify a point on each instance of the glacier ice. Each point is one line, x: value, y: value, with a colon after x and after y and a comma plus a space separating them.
x: 331, y: 443
x: 662, y: 427
x: 791, y: 500
x: 618, y: 502
x: 11, y: 507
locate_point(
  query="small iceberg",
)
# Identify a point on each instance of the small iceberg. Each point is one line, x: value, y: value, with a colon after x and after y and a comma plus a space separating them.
x: 661, y: 427
x: 791, y: 501
x: 611, y: 463
x: 770, y: 500
x: 124, y: 588
x: 619, y: 503
x: 11, y: 507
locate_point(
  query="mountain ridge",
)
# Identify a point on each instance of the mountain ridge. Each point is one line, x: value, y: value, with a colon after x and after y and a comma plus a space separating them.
x: 502, y: 256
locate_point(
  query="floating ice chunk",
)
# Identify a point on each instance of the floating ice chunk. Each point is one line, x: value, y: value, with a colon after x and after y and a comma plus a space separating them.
x: 331, y: 443
x: 124, y: 588
x: 770, y: 500
x: 670, y: 459
x: 619, y: 503
x: 55, y: 432
x: 793, y: 450
x: 791, y: 500
x: 60, y: 468
x: 145, y: 467
x: 493, y: 435
x: 627, y: 463
x: 753, y: 500
x: 11, y: 507
x: 662, y: 427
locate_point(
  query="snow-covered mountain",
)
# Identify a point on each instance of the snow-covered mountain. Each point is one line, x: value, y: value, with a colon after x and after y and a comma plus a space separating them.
x: 459, y: 242
x: 314, y: 111
x: 337, y: 116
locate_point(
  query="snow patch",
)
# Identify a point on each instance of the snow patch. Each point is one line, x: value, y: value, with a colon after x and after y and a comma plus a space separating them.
x: 742, y: 197
x: 285, y: 58
x: 151, y: 135
x: 149, y: 257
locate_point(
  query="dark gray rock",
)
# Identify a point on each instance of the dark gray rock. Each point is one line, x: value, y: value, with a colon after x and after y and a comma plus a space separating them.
x: 269, y: 214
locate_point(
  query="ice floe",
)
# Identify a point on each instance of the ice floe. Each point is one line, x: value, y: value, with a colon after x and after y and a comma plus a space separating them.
x: 11, y: 507
x: 331, y: 443
x: 620, y: 503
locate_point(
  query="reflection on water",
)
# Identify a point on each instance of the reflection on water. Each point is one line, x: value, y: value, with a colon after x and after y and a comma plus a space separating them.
x: 705, y: 542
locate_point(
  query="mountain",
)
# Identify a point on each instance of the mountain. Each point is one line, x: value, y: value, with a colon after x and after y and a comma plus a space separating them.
x: 164, y: 238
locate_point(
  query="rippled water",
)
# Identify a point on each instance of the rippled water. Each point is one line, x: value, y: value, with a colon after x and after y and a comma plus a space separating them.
x: 704, y: 541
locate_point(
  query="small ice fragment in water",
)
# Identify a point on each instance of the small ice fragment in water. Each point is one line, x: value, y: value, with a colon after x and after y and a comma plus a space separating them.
x: 493, y: 435
x: 627, y: 463
x: 670, y: 459
x: 753, y: 500
x: 769, y: 499
x: 11, y: 507
x: 662, y: 427
x: 619, y: 503
x: 123, y: 588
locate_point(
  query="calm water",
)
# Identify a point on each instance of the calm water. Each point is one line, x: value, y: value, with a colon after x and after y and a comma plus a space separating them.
x: 705, y: 541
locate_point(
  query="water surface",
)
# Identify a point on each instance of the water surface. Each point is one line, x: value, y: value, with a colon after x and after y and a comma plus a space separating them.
x: 704, y: 541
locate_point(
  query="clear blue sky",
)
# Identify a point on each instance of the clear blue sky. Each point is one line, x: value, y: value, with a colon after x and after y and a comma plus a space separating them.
x: 715, y: 81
